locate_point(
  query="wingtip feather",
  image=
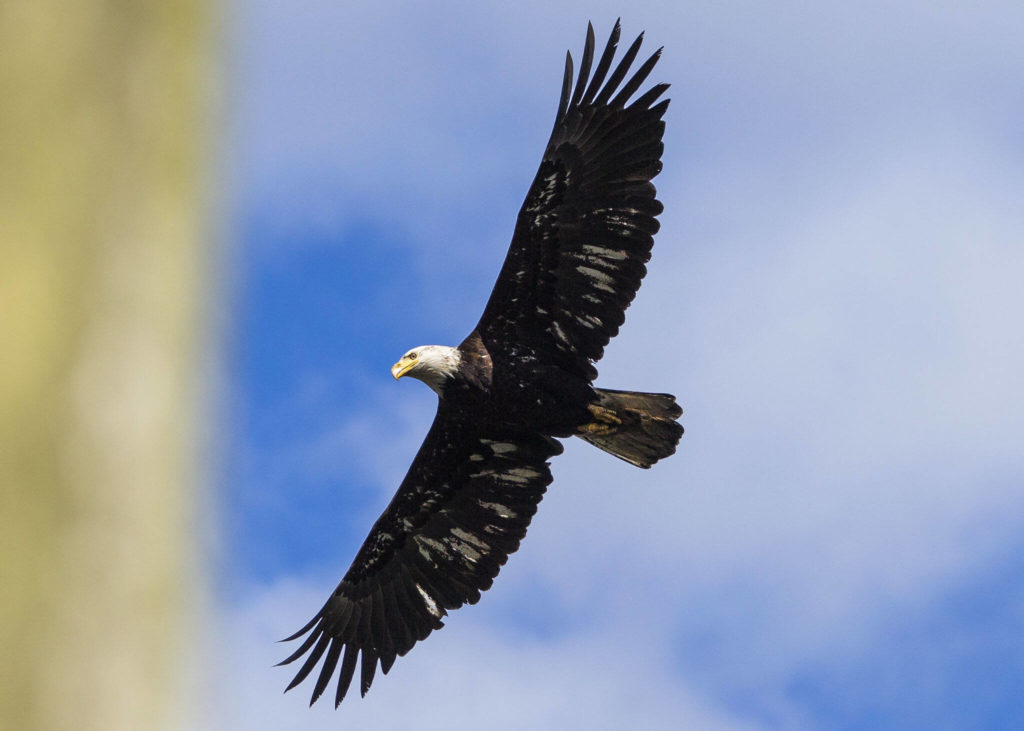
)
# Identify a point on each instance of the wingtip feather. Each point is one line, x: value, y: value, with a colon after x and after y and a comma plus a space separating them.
x: 604, y: 64
x: 306, y: 628
x: 585, y: 63
x: 620, y: 71
x: 563, y: 102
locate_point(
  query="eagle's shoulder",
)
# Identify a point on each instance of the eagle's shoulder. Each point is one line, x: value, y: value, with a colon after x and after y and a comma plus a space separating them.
x: 475, y: 366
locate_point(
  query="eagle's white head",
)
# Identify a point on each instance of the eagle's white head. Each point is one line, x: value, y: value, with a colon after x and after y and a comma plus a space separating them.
x: 432, y: 364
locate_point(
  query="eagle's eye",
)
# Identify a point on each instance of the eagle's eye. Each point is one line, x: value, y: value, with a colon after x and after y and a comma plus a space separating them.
x: 412, y: 355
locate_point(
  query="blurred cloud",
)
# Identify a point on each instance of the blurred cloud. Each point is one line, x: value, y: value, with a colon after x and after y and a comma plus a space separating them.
x: 833, y: 298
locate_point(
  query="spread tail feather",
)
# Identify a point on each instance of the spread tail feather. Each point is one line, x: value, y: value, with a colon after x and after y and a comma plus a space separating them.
x: 640, y: 428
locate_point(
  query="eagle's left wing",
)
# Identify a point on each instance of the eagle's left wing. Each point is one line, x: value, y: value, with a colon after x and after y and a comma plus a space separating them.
x: 463, y: 507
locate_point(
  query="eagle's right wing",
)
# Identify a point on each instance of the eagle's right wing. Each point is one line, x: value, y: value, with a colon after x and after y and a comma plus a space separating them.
x: 586, y: 228
x: 463, y: 507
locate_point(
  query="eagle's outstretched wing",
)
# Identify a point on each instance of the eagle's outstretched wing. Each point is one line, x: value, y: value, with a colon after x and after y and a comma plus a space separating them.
x: 461, y: 510
x: 585, y: 231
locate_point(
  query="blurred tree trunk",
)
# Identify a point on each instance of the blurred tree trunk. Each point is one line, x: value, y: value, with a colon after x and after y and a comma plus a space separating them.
x: 104, y: 111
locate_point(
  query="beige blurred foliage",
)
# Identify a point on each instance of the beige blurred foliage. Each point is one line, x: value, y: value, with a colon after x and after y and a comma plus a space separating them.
x: 104, y: 119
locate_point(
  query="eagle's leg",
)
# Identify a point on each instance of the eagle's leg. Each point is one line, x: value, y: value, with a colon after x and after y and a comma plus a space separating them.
x: 605, y: 421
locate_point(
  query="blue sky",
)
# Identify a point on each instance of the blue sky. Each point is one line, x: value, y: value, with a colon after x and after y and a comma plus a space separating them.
x: 835, y: 298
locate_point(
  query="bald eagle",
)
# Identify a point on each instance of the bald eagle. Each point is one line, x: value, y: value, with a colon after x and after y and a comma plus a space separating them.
x: 521, y: 380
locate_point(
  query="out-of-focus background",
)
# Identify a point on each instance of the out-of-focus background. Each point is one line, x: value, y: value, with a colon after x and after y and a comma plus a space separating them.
x: 219, y: 231
x: 106, y: 285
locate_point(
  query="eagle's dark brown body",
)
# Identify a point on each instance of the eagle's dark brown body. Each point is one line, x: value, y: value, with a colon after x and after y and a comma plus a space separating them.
x: 521, y: 391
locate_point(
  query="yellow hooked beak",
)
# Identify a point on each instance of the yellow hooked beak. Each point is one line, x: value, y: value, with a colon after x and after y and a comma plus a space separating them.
x: 402, y: 367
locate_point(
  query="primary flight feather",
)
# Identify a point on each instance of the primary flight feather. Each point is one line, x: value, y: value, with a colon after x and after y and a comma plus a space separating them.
x: 520, y: 380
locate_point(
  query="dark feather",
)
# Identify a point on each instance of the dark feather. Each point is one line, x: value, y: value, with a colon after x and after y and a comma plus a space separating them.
x: 563, y: 104
x: 310, y: 663
x: 603, y: 65
x: 588, y: 58
x: 348, y: 669
x: 306, y: 628
x: 650, y: 96
x: 330, y: 663
x: 304, y: 647
x: 620, y: 72
x: 638, y: 78
x: 369, y: 669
